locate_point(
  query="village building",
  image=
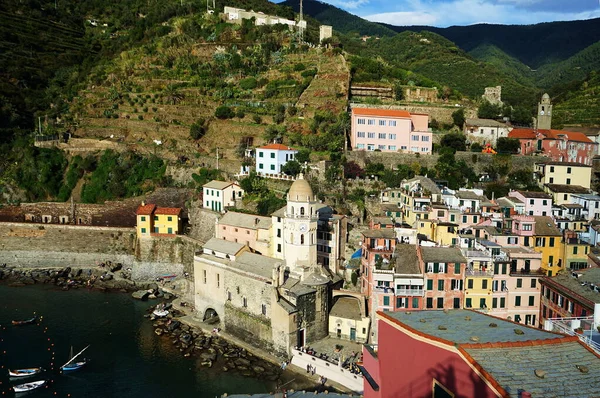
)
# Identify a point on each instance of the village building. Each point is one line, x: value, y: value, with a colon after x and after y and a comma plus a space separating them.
x: 535, y: 203
x: 272, y: 157
x: 485, y: 131
x: 348, y: 318
x: 154, y: 220
x: 558, y: 145
x: 467, y: 353
x: 247, y: 229
x: 219, y: 195
x: 563, y: 173
x: 389, y: 130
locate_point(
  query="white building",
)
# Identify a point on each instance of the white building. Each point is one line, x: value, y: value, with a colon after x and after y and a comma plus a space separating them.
x: 590, y: 204
x: 485, y: 131
x: 217, y: 195
x: 271, y: 158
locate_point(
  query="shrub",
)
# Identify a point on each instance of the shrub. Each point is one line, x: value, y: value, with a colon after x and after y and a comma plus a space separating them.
x: 224, y: 112
x: 278, y: 118
x: 299, y: 67
x: 240, y: 114
x: 248, y: 83
x: 257, y: 119
x: 476, y: 147
x: 145, y: 109
x: 197, y: 129
x: 140, y: 117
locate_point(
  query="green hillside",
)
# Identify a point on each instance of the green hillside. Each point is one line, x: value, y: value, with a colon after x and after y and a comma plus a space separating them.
x: 440, y: 60
x: 576, y: 68
x: 342, y: 21
x: 533, y: 45
x: 579, y: 104
x: 504, y: 63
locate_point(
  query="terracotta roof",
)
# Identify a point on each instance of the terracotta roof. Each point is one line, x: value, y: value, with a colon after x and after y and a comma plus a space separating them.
x: 549, y: 135
x: 169, y: 211
x: 381, y: 112
x: 280, y: 147
x: 557, y: 163
x: 145, y: 210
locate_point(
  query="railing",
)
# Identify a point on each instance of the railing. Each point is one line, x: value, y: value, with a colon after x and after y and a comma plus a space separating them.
x: 383, y: 289
x: 410, y: 292
x: 569, y: 326
x: 423, y: 209
x: 476, y: 272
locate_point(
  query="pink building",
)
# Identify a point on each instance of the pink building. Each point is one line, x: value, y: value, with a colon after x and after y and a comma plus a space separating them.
x: 562, y: 146
x: 536, y: 203
x: 390, y: 130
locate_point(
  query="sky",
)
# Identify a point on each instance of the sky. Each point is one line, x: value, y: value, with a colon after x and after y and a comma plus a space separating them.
x: 443, y: 13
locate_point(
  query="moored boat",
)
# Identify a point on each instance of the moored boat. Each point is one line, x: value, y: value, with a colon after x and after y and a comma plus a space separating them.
x: 71, y: 365
x: 29, y: 386
x: 25, y: 322
x: 24, y: 372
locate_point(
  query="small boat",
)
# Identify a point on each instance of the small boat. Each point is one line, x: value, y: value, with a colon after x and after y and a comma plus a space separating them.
x: 25, y: 322
x: 29, y: 386
x: 71, y: 365
x: 160, y: 311
x: 24, y: 372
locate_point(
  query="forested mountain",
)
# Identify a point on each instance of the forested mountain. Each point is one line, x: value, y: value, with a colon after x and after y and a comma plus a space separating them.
x: 533, y: 45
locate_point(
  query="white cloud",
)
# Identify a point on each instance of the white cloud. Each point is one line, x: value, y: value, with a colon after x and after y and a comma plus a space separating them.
x: 348, y: 4
x: 467, y: 12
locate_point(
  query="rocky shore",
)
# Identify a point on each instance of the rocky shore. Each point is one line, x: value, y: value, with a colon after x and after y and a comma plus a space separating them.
x: 106, y: 276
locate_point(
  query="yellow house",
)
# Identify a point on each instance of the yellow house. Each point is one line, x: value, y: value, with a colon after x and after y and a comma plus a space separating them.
x: 144, y: 215
x: 564, y: 173
x: 478, y: 281
x: 348, y: 318
x: 575, y: 251
x: 548, y: 240
x: 167, y: 220
x: 445, y: 233
x: 157, y: 220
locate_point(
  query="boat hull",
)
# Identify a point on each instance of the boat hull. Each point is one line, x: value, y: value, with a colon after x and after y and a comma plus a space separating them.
x: 24, y: 372
x: 29, y: 386
x: 73, y: 367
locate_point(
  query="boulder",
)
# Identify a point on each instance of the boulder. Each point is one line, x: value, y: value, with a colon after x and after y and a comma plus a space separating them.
x: 241, y: 362
x: 140, y: 295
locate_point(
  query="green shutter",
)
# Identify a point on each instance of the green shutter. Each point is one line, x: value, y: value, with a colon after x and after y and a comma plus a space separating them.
x: 415, y: 302
x: 436, y: 268
x: 457, y: 268
x: 441, y: 285
x: 429, y: 284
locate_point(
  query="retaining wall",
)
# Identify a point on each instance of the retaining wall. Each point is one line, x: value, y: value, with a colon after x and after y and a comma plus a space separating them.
x: 332, y: 371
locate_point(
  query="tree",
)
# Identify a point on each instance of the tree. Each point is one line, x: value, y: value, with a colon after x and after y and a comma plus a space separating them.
x: 292, y: 168
x: 456, y: 141
x: 522, y: 116
x: 398, y: 93
x: 303, y: 155
x: 172, y: 95
x: 224, y: 112
x: 353, y: 170
x: 488, y: 110
x: 458, y: 117
x: 476, y: 147
x: 508, y: 145
x: 197, y: 129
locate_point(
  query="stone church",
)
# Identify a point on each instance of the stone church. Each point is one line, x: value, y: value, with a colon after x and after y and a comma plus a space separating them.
x: 273, y: 303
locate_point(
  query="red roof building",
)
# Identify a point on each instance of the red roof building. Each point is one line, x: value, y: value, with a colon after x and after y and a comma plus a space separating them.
x: 168, y: 211
x: 563, y: 146
x: 145, y: 209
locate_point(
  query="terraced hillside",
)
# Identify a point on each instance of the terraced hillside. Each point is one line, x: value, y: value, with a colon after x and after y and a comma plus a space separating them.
x: 581, y: 107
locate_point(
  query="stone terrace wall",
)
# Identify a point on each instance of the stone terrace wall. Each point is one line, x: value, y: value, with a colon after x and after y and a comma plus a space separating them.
x: 429, y: 161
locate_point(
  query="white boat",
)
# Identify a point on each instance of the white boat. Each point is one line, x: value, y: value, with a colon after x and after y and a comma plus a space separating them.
x: 24, y: 372
x: 72, y: 365
x: 29, y: 386
x: 160, y: 313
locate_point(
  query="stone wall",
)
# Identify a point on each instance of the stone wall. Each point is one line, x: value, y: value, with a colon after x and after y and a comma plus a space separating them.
x: 201, y: 222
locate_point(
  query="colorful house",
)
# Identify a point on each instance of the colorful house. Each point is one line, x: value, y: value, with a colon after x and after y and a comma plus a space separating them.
x: 444, y: 274
x: 564, y: 173
x: 547, y: 239
x: 560, y: 146
x: 218, y: 195
x: 461, y: 353
x: 389, y: 130
x: 272, y: 157
x: 485, y: 131
x: 158, y: 220
x: 536, y: 203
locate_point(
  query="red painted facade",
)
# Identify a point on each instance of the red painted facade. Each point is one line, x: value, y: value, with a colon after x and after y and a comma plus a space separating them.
x: 407, y: 367
x: 439, y: 286
x: 559, y: 302
x: 563, y: 146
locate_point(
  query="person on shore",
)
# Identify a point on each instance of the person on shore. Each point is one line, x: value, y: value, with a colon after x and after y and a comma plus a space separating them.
x: 284, y: 365
x: 308, y: 368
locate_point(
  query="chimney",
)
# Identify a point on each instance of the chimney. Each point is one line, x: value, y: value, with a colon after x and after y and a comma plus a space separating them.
x: 143, y: 203
x: 281, y: 275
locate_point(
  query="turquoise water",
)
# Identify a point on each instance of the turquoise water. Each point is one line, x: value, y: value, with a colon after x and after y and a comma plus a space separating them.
x: 127, y: 359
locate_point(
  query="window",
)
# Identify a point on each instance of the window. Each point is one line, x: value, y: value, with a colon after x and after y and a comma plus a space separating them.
x: 204, y: 276
x: 143, y: 218
x: 484, y: 284
x: 482, y: 303
x: 371, y: 135
x: 386, y: 300
x: 468, y: 303
x: 495, y: 285
x: 429, y: 302
x: 502, y: 302
x: 424, y: 149
x: 392, y: 147
x: 261, y: 154
x: 273, y: 155
x: 469, y: 283
x: 392, y: 136
x: 574, y: 249
x: 382, y: 122
x: 272, y: 167
x: 429, y: 284
x: 228, y: 296
x: 360, y: 134
x: 464, y: 219
x: 456, y: 302
x: 360, y: 146
x: 531, y: 201
x: 425, y: 138
x: 381, y: 136
x: 155, y: 218
x: 371, y: 122
x: 360, y: 121
x: 403, y: 147
x: 143, y: 230
x: 526, y: 227
x: 452, y: 217
x: 415, y: 302
x: 568, y: 181
x: 568, y: 170
x: 279, y: 248
x: 551, y: 244
x: 551, y: 169
x: 517, y: 301
x: 551, y: 180
x: 244, y: 302
x: 414, y: 137
x: 260, y: 166
x: 495, y: 302
x: 531, y: 301
x: 441, y: 285
x: 401, y: 302
x: 218, y: 280
x: 440, y: 302
x: 381, y: 147
x: 519, y: 282
x: 533, y: 283
x: 263, y: 309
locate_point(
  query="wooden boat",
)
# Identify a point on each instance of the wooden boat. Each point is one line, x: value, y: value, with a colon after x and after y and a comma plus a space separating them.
x: 29, y: 386
x: 72, y: 365
x: 25, y: 322
x: 24, y: 372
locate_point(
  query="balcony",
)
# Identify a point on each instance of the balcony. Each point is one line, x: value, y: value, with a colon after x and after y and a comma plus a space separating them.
x: 410, y: 292
x: 480, y: 273
x: 421, y: 209
x: 582, y: 327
